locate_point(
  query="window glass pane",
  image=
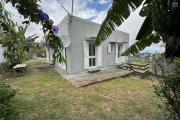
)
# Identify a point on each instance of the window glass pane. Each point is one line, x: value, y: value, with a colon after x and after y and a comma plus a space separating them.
x: 90, y: 62
x: 90, y: 52
x: 94, y: 61
x: 92, y: 49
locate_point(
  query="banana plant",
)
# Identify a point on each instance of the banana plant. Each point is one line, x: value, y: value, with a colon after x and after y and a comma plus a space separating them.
x: 162, y: 23
x: 16, y: 44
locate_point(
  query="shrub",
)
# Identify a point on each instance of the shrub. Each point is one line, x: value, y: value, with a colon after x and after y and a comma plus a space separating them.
x: 169, y: 88
x: 37, y: 51
x: 6, y: 95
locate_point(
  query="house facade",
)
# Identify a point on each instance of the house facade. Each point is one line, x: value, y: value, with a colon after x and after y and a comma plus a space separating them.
x: 78, y: 36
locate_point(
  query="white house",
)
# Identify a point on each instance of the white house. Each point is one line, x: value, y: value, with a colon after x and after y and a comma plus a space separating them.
x: 78, y: 36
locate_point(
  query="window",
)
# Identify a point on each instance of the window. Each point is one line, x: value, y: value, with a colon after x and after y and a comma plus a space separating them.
x: 92, y: 54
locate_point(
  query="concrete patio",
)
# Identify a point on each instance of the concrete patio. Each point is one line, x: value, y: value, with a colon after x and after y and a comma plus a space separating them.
x: 92, y: 78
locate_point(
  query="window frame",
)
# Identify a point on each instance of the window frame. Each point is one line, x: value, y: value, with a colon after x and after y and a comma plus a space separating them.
x: 92, y: 58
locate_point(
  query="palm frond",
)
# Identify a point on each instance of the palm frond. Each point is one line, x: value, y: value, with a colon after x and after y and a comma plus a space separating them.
x: 143, y: 35
x: 119, y: 11
x: 32, y: 38
x: 141, y: 44
x: 146, y: 29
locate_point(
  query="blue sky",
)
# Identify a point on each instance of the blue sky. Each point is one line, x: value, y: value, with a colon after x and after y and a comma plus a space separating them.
x: 99, y: 6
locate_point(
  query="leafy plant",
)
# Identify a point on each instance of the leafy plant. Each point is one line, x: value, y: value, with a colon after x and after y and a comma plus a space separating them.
x: 30, y: 42
x: 16, y: 44
x: 13, y: 38
x: 15, y: 47
x: 162, y: 23
x: 6, y: 96
x: 37, y: 50
x: 169, y: 88
x: 32, y: 11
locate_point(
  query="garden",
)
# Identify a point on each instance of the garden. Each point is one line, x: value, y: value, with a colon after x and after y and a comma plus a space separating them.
x: 43, y: 94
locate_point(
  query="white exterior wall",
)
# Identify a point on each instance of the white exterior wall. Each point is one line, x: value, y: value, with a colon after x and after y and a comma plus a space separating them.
x: 2, y: 59
x: 77, y: 56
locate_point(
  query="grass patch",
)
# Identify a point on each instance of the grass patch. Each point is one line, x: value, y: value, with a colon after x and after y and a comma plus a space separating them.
x: 42, y: 94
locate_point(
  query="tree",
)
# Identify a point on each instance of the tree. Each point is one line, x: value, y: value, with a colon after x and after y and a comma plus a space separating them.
x: 30, y: 42
x: 168, y: 89
x: 162, y: 23
x: 16, y: 44
x: 13, y: 38
x: 33, y: 13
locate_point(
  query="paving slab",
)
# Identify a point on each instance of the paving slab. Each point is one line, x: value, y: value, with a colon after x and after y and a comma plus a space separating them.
x: 85, y: 79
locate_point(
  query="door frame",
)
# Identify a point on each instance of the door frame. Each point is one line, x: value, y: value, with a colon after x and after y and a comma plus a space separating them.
x: 89, y: 57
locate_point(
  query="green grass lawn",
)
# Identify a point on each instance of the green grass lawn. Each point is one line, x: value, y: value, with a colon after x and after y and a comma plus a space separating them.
x: 42, y: 94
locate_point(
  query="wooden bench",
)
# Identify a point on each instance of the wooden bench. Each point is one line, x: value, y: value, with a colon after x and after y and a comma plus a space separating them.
x: 19, y: 69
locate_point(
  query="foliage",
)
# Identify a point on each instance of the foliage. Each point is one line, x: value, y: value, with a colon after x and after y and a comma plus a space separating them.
x: 162, y: 20
x: 169, y: 88
x: 118, y: 12
x: 162, y: 23
x: 6, y: 95
x: 31, y: 10
x: 16, y: 44
x: 15, y: 47
x: 30, y: 42
x: 37, y: 50
x: 13, y: 38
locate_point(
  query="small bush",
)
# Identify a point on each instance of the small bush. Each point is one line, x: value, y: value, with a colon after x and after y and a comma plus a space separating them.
x: 36, y: 52
x: 169, y: 89
x: 6, y: 95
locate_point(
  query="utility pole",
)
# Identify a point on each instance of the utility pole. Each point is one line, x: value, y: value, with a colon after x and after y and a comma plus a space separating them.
x: 72, y: 10
x: 65, y: 8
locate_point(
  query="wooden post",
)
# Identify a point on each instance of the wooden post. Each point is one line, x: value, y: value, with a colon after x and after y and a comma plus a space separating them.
x: 154, y: 66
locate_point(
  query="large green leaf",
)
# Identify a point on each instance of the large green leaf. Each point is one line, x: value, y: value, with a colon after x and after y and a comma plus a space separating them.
x: 119, y: 11
x: 141, y: 44
x: 146, y: 10
x: 146, y: 29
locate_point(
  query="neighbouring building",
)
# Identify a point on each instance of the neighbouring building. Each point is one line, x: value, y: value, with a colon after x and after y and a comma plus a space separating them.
x: 78, y: 36
x: 2, y: 59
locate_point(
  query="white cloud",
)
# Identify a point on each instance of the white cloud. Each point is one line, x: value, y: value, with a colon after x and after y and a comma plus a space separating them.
x: 103, y: 1
x: 155, y: 48
x: 101, y: 16
x: 99, y: 1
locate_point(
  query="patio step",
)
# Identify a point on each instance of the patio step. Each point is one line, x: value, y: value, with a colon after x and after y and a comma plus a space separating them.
x: 93, y: 70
